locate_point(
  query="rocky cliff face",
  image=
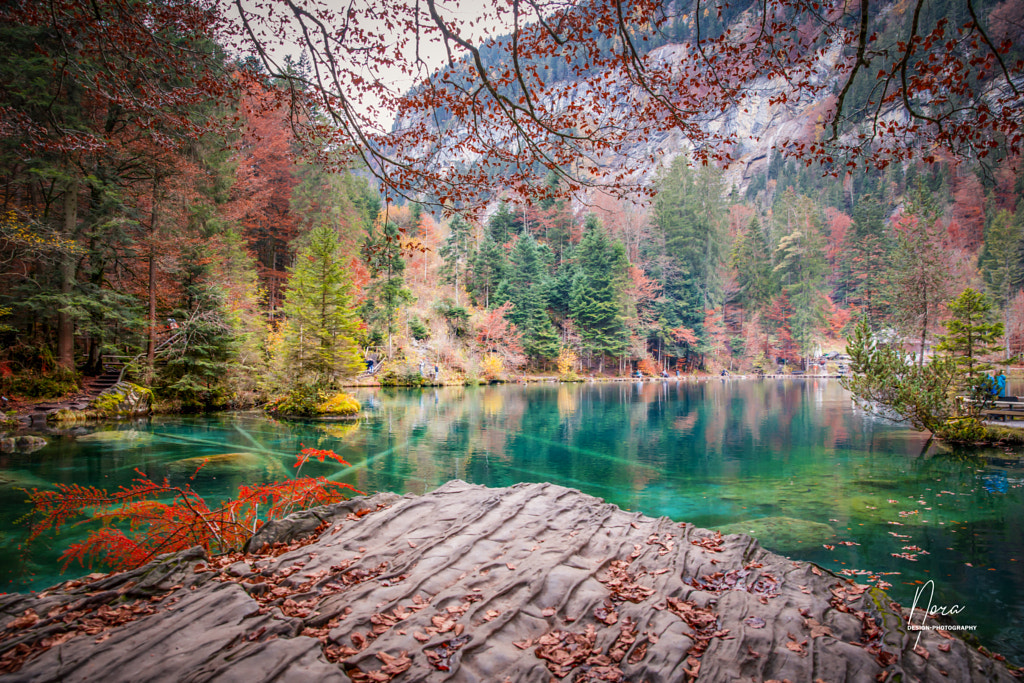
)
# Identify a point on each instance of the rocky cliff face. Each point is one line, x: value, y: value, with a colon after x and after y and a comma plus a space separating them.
x: 466, y: 583
x: 763, y: 124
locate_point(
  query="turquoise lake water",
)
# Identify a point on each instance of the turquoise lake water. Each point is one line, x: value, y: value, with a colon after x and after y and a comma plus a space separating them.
x: 793, y: 462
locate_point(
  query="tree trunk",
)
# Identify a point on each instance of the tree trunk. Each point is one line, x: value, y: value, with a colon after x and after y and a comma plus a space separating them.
x: 65, y: 325
x: 924, y: 337
x: 151, y: 347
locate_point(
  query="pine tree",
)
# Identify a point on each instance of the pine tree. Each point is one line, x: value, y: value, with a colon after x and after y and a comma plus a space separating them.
x: 596, y: 298
x: 200, y: 364
x: 457, y: 253
x: 752, y: 259
x: 971, y: 334
x: 998, y: 261
x: 801, y: 270
x: 690, y: 215
x: 320, y: 323
x: 386, y: 293
x: 526, y: 286
x: 869, y: 251
x: 489, y: 266
x: 504, y: 225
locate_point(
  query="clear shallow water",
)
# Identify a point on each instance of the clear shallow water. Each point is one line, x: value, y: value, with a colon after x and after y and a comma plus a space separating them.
x: 792, y: 462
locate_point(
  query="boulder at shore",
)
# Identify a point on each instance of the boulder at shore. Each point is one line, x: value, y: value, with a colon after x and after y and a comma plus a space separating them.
x: 466, y: 583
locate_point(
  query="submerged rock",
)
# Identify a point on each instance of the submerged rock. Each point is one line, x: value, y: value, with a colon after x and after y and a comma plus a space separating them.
x: 244, y: 461
x: 783, y: 533
x: 474, y: 584
x: 114, y: 435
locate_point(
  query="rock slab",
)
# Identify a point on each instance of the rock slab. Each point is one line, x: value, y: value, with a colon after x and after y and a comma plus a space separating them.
x: 534, y: 582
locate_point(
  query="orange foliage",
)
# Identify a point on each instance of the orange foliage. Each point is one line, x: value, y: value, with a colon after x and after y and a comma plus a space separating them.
x: 138, y: 525
x: 718, y: 335
x: 684, y: 335
x: 838, y: 224
x: 647, y: 366
x: 262, y: 194
x: 837, y: 319
x: 967, y: 228
x: 497, y: 335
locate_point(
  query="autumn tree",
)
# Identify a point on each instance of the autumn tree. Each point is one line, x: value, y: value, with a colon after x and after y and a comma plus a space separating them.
x: 919, y: 272
x: 93, y: 118
x: 496, y: 335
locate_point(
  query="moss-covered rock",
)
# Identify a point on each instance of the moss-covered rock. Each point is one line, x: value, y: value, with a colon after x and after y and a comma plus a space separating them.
x: 310, y: 403
x: 122, y: 401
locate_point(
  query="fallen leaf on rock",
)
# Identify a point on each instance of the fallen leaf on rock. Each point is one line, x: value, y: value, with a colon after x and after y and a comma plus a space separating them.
x: 921, y: 652
x: 754, y: 622
x: 443, y: 624
x: 564, y: 650
x: 606, y: 614
x: 524, y: 644
x: 411, y: 544
x: 753, y: 653
x: 511, y: 566
x: 27, y: 618
x: 944, y: 647
x: 422, y: 637
x: 441, y: 656
x: 548, y: 612
x: 796, y: 647
x: 638, y: 653
x: 817, y: 629
x: 394, y: 665
x: 884, y: 658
